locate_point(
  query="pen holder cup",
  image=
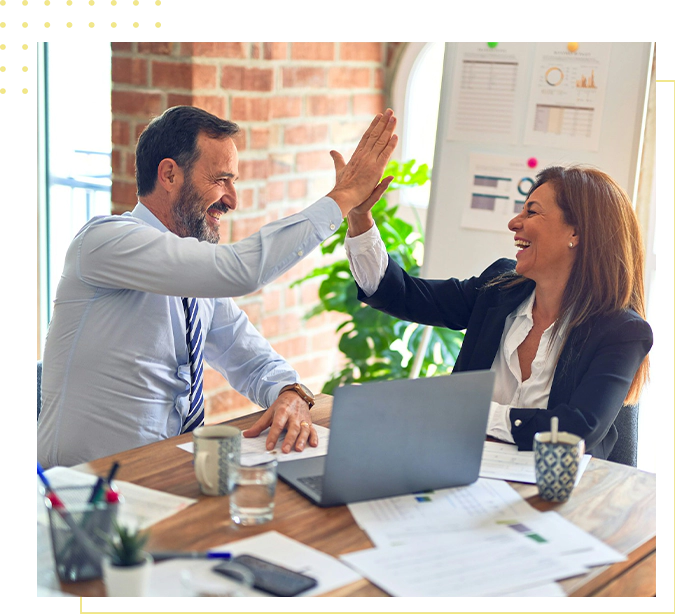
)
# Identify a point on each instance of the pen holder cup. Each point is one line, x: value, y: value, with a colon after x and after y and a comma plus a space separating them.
x: 78, y: 532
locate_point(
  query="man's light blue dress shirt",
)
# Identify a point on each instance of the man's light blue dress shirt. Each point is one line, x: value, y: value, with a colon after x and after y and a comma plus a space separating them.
x: 116, y: 373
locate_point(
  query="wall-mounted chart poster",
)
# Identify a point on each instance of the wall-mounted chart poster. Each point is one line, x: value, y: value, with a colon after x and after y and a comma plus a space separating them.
x: 567, y: 95
x: 498, y: 188
x: 488, y: 81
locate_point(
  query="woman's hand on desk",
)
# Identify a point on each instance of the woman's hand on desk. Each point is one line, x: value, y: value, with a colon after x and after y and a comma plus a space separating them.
x: 288, y: 412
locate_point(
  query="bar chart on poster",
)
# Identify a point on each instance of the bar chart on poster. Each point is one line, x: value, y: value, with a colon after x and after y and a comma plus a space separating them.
x: 507, y: 111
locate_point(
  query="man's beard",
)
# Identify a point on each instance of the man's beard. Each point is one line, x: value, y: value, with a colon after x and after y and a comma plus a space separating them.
x: 188, y: 217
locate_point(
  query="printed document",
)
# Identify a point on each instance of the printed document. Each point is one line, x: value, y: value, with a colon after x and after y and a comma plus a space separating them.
x: 270, y: 546
x: 394, y: 520
x: 503, y: 461
x: 461, y: 564
x: 256, y: 445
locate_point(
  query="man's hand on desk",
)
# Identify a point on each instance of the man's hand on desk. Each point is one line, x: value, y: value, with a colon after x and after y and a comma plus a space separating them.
x: 288, y: 412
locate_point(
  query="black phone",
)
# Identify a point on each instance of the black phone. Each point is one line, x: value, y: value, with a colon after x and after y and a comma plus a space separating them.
x: 269, y: 577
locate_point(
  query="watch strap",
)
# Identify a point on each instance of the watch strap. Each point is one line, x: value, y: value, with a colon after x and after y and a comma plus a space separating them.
x: 302, y: 391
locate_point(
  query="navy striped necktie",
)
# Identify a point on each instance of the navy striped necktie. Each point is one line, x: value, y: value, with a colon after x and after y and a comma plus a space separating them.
x: 194, y: 340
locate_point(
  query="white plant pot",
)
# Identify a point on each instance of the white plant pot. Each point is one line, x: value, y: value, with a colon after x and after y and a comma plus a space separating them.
x: 127, y: 581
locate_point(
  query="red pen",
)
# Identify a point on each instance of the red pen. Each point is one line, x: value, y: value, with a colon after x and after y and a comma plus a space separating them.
x: 112, y: 496
x: 55, y: 501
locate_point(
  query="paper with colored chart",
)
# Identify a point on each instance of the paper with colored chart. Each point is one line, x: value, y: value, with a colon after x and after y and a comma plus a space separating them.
x: 478, y: 563
x: 396, y: 520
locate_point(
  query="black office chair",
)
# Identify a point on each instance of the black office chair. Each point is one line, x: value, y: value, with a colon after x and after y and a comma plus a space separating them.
x: 39, y: 396
x: 625, y: 449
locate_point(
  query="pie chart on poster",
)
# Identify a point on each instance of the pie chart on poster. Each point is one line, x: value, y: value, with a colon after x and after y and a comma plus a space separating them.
x: 554, y: 76
x: 525, y: 185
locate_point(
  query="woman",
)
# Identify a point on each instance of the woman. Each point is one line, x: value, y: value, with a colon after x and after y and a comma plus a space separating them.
x: 564, y: 328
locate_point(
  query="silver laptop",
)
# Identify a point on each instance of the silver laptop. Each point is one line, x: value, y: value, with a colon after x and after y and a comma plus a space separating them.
x: 398, y: 437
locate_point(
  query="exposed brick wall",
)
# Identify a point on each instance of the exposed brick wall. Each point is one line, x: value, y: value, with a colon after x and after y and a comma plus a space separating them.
x: 294, y: 102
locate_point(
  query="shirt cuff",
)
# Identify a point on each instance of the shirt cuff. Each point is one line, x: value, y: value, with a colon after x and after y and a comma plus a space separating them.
x: 499, y: 424
x: 362, y: 243
x: 325, y: 216
x: 368, y: 259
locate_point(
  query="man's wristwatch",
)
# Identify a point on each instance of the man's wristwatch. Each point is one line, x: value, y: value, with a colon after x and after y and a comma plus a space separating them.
x: 302, y: 391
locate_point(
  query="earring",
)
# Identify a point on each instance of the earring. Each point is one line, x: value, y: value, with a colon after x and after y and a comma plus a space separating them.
x: 570, y: 245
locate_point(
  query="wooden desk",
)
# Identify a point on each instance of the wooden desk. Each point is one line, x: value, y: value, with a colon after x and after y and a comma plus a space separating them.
x: 615, y: 503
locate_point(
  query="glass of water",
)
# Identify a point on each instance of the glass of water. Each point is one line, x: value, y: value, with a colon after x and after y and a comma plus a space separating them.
x: 252, y: 484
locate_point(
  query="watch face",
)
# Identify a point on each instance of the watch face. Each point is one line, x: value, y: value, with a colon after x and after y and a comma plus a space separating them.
x: 306, y: 390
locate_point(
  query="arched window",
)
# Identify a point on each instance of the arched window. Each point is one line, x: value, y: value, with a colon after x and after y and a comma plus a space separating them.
x: 416, y: 93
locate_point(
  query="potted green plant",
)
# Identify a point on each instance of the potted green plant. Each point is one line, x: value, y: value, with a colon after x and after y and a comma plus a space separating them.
x: 377, y: 346
x: 126, y: 566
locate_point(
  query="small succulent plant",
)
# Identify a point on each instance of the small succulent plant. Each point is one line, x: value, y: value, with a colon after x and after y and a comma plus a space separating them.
x: 125, y: 546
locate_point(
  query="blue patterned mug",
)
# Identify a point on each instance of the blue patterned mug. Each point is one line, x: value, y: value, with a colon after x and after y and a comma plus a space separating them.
x: 213, y: 444
x: 556, y: 464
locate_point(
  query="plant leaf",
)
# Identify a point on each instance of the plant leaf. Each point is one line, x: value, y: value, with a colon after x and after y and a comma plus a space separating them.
x: 372, y: 342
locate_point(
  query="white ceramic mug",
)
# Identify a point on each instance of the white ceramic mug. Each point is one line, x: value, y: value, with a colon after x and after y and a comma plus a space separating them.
x: 213, y: 444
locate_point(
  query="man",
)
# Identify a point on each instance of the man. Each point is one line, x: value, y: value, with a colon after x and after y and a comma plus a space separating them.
x: 123, y: 359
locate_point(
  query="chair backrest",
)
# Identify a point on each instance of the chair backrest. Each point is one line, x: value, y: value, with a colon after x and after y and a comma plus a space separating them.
x: 625, y: 449
x: 39, y: 384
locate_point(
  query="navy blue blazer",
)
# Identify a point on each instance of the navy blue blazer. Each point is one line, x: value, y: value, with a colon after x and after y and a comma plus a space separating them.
x: 595, y: 369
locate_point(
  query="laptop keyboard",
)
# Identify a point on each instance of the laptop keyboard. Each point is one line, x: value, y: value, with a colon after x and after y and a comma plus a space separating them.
x: 314, y: 483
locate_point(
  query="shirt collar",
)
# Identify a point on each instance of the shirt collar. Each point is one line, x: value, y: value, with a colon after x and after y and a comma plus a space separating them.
x: 144, y: 214
x: 525, y: 308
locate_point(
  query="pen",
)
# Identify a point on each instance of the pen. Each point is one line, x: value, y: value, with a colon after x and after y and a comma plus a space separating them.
x: 171, y: 554
x: 111, y: 497
x: 97, y: 491
x: 43, y: 477
x: 51, y: 495
x: 113, y: 471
